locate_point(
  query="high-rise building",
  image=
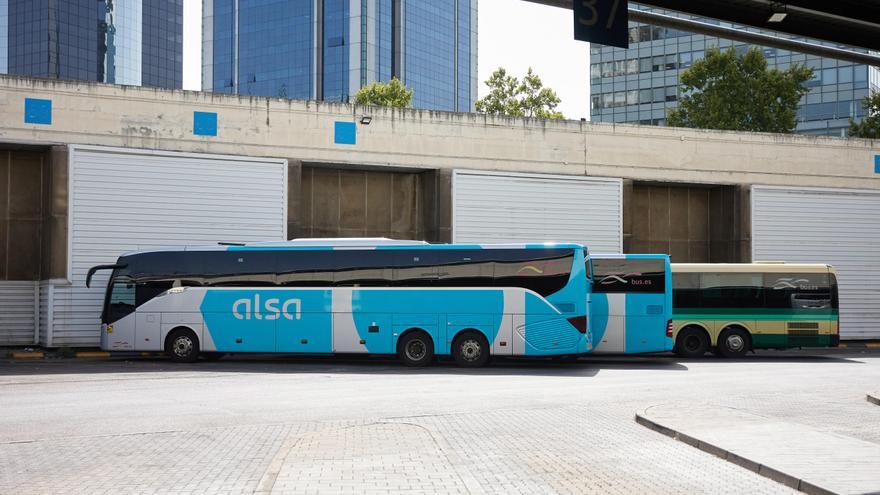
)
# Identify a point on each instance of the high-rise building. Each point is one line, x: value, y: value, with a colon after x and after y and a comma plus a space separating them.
x: 639, y: 84
x: 328, y: 49
x: 135, y: 42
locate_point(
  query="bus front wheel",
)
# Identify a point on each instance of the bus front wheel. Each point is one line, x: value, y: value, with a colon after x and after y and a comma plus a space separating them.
x: 416, y: 349
x: 182, y: 346
x: 470, y: 350
x: 691, y: 342
x: 733, y: 343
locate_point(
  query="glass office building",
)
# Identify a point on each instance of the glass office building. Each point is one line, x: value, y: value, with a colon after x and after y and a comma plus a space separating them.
x: 639, y: 84
x: 328, y: 49
x: 135, y: 42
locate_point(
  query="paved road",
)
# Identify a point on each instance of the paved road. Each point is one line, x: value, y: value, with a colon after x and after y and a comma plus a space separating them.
x: 294, y: 425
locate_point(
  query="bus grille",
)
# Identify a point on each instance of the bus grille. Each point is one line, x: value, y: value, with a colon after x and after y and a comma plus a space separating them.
x: 803, y: 327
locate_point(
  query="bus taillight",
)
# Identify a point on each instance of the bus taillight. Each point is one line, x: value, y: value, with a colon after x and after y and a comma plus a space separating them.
x: 669, y: 329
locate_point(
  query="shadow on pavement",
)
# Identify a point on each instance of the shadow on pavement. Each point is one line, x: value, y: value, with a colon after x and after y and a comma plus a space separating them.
x: 298, y: 364
x: 588, y: 365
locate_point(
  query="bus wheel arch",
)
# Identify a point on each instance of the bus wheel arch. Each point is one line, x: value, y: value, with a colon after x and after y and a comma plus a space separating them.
x: 692, y: 341
x: 182, y: 345
x: 734, y: 341
x: 470, y: 348
x: 415, y: 347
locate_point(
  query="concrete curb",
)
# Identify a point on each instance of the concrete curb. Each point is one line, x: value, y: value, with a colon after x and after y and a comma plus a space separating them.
x: 765, y: 471
x: 874, y: 398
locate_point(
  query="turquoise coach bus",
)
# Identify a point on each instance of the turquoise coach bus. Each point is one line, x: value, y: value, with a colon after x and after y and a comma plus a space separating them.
x: 371, y: 296
x: 631, y: 303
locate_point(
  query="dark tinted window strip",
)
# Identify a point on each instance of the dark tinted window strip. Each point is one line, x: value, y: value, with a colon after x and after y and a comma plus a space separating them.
x: 542, y: 270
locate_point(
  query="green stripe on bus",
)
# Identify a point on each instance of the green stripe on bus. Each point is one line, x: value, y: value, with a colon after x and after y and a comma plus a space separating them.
x: 760, y: 341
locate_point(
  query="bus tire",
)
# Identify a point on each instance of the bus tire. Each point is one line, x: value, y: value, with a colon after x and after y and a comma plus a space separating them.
x: 734, y: 342
x: 470, y: 349
x: 691, y: 342
x: 182, y: 345
x: 416, y: 349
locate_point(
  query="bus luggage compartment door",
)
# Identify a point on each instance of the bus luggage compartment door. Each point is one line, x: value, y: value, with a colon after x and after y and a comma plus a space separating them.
x: 362, y: 333
x: 148, y: 332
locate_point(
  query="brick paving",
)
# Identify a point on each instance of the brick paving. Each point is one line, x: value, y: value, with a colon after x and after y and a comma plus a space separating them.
x: 313, y: 427
x: 797, y: 454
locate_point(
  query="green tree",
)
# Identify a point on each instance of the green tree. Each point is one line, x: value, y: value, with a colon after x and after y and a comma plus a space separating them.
x: 514, y: 98
x: 737, y: 92
x: 390, y: 94
x: 869, y: 127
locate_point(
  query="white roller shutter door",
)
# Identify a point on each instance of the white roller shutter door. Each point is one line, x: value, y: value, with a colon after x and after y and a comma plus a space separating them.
x: 499, y: 207
x: 126, y: 200
x: 18, y: 312
x: 833, y: 226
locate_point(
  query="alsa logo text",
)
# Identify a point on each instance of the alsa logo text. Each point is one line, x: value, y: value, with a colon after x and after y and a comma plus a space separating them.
x: 271, y: 309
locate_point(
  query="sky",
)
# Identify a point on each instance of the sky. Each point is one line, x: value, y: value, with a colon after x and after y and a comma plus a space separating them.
x: 512, y: 34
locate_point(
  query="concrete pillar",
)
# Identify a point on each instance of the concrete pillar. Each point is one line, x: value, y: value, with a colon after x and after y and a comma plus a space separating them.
x: 294, y: 198
x: 444, y: 205
x: 54, y: 225
x: 628, y: 212
x: 744, y: 235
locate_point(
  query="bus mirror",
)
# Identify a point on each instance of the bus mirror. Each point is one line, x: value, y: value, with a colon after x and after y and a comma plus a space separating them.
x: 94, y: 269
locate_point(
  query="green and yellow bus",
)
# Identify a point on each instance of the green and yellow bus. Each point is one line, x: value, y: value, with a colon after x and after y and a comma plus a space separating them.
x: 733, y: 308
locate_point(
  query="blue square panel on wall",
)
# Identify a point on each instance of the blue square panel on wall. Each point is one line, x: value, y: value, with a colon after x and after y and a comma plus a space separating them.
x: 345, y: 133
x: 204, y: 123
x: 877, y: 164
x: 37, y: 111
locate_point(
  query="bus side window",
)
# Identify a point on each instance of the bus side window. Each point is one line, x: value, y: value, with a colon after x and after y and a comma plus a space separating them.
x: 797, y: 290
x: 305, y: 268
x: 465, y: 268
x: 145, y: 291
x: 415, y: 268
x: 732, y: 290
x: 686, y: 290
x: 358, y: 268
x: 620, y: 275
x: 542, y: 272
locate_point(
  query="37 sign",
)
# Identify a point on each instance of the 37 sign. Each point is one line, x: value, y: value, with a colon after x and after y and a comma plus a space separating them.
x: 601, y: 21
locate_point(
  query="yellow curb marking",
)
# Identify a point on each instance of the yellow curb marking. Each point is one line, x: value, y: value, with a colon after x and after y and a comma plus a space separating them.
x: 27, y: 355
x: 873, y: 345
x: 842, y: 346
x: 92, y: 354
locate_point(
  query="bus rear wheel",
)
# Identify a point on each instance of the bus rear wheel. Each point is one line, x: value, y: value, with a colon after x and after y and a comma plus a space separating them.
x: 416, y: 349
x: 691, y: 342
x: 733, y: 343
x: 470, y: 350
x: 182, y: 346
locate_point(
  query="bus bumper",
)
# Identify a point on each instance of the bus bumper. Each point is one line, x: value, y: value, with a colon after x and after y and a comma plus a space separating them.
x: 834, y: 341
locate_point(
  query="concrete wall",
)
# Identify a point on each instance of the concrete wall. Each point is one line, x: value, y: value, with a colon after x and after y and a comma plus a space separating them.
x: 694, y: 224
x: 304, y: 130
x: 22, y: 175
x: 337, y: 202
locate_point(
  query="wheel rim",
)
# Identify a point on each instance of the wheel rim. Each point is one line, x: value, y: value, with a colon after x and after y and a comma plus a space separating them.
x: 691, y: 343
x: 415, y: 350
x: 183, y: 346
x: 735, y: 342
x: 471, y: 350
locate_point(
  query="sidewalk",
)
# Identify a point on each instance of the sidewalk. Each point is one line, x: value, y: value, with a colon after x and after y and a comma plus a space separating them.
x: 799, y: 456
